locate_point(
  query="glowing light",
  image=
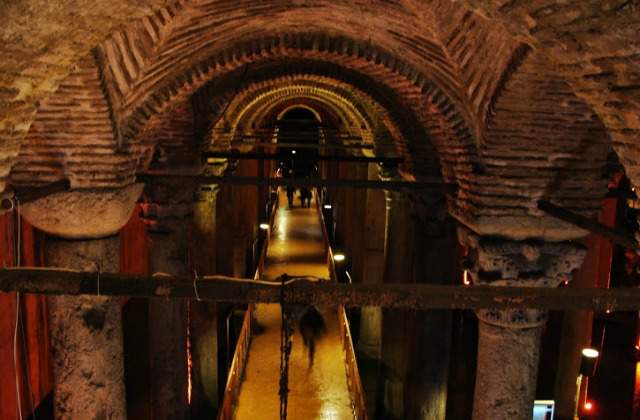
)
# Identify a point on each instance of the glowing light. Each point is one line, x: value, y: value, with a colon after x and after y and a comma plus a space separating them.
x: 588, y: 406
x: 327, y: 206
x: 189, y: 357
x: 338, y: 257
x: 293, y: 152
x: 465, y: 278
x: 264, y: 226
x: 590, y: 353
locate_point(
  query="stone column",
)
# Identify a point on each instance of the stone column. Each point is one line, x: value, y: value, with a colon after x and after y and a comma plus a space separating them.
x: 203, y: 315
x: 397, y: 269
x: 86, y: 331
x: 509, y: 339
x: 372, y: 272
x: 429, y: 345
x: 167, y: 212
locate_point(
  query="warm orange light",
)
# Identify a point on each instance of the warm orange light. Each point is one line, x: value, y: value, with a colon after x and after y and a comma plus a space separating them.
x: 465, y: 278
x: 588, y: 406
x: 189, y: 356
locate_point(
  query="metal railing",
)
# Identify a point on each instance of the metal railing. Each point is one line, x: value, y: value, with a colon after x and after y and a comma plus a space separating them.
x: 356, y: 391
x: 236, y: 371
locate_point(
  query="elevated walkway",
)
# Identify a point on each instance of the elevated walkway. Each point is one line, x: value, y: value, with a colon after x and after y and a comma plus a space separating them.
x: 331, y: 388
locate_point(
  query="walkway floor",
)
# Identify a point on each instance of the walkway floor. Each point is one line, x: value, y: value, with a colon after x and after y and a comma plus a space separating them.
x: 296, y: 248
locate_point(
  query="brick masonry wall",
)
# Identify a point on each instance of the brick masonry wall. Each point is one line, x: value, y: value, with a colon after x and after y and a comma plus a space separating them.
x: 513, y: 96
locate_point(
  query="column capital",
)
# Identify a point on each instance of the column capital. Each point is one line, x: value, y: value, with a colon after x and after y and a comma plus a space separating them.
x: 391, y: 173
x: 83, y: 214
x: 495, y: 261
x: 167, y: 205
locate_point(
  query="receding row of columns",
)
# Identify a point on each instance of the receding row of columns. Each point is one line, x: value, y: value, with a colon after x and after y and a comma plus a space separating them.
x: 87, y: 331
x: 509, y: 340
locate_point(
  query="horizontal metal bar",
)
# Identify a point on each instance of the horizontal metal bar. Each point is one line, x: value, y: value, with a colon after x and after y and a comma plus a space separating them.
x: 304, y: 145
x: 616, y: 235
x: 403, y: 295
x: 391, y: 160
x: 435, y: 185
x: 28, y: 194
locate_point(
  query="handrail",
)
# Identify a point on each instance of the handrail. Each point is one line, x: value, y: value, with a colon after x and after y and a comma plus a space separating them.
x: 236, y: 371
x: 356, y: 391
x: 265, y: 246
x: 325, y: 238
x: 358, y: 402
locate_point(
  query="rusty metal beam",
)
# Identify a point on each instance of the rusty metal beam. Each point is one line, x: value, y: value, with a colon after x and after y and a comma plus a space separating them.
x: 28, y: 194
x: 300, y: 182
x: 385, y: 160
x: 228, y: 289
x: 616, y: 235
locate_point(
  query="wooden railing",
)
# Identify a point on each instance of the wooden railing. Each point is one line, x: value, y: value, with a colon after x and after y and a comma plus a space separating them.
x: 236, y: 371
x: 356, y: 391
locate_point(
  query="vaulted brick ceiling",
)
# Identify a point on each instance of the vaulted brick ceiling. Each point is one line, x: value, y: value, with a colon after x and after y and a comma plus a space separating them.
x: 483, y: 90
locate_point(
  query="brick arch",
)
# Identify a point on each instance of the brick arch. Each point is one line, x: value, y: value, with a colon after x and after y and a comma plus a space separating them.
x: 541, y: 141
x: 272, y: 105
x: 349, y: 96
x: 355, y: 104
x: 262, y: 109
x: 564, y: 140
x: 365, y: 68
x: 594, y: 47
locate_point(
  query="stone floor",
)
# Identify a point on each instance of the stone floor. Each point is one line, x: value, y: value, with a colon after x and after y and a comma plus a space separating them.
x: 296, y: 248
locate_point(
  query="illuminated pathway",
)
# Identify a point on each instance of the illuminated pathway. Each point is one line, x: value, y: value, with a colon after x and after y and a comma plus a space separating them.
x: 296, y: 248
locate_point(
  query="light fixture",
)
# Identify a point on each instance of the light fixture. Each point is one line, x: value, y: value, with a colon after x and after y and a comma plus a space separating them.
x: 465, y: 278
x: 590, y: 353
x: 338, y: 257
x: 264, y: 226
x: 327, y: 207
x: 589, y: 361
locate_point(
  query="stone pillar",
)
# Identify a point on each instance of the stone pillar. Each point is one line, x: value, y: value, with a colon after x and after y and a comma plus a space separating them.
x: 203, y: 315
x: 509, y: 339
x: 429, y: 344
x: 397, y: 269
x: 372, y: 272
x: 167, y: 212
x: 86, y: 331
